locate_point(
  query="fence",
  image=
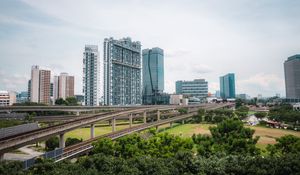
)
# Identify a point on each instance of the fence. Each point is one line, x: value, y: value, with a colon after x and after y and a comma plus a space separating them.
x: 48, y: 155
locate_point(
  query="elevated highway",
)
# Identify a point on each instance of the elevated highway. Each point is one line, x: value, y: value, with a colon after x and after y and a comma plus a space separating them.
x: 10, y: 109
x: 17, y: 141
x: 86, y: 146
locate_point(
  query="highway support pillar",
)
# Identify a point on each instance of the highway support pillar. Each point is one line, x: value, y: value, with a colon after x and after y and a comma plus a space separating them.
x: 92, y: 131
x: 182, y: 122
x: 130, y: 120
x: 113, y: 123
x: 62, y: 140
x: 1, y: 156
x: 157, y: 128
x: 145, y: 117
x: 158, y: 115
x: 77, y: 113
x: 171, y: 124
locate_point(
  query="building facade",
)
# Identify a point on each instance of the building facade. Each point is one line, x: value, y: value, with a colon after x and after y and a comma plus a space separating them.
x: 292, y: 77
x: 153, y: 75
x: 63, y: 86
x: 40, y: 85
x: 122, y: 72
x: 227, y: 86
x: 7, y: 98
x: 91, y: 75
x: 197, y: 88
x: 22, y: 97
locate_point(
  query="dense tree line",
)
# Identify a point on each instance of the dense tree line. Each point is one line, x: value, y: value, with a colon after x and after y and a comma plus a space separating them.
x: 69, y: 101
x: 53, y: 142
x: 285, y: 113
x: 217, y: 116
x: 230, y: 150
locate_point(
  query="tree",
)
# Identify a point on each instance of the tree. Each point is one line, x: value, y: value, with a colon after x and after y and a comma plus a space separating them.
x: 52, y: 143
x: 199, y: 117
x: 104, y: 146
x: 183, y: 111
x: 241, y: 115
x: 285, y: 144
x: 260, y: 114
x: 209, y: 116
x: 71, y: 101
x: 60, y: 101
x: 29, y: 117
x: 243, y: 109
x: 238, y: 103
x: 72, y: 141
x: 232, y: 137
x: 218, y: 118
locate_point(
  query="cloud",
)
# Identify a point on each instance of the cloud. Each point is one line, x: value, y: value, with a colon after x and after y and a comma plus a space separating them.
x: 201, y: 39
x: 267, y: 84
x: 200, y: 69
x: 213, y: 87
x: 176, y: 53
x: 13, y: 82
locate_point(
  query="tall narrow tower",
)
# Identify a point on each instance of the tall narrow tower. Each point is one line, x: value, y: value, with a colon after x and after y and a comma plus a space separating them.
x: 227, y: 86
x: 40, y: 85
x: 91, y: 75
x: 292, y: 77
x: 153, y: 74
x: 63, y: 86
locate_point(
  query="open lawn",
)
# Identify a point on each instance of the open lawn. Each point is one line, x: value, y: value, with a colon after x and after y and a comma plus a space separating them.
x: 267, y: 135
x: 85, y: 133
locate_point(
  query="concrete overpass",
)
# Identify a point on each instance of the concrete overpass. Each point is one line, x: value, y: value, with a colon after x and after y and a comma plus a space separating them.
x: 86, y: 146
x: 9, y: 109
x: 17, y: 141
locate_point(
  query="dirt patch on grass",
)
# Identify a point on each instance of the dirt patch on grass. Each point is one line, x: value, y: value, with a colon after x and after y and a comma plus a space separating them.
x: 199, y: 130
x: 266, y: 140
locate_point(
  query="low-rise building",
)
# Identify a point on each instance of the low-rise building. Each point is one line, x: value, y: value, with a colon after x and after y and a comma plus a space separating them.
x: 197, y: 88
x: 7, y: 98
x: 176, y: 99
x: 296, y: 107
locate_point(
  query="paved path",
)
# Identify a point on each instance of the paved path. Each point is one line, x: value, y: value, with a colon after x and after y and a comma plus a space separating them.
x: 27, y: 153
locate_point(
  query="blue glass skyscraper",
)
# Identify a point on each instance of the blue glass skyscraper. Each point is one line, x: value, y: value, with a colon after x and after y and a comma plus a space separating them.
x: 153, y: 74
x: 227, y: 86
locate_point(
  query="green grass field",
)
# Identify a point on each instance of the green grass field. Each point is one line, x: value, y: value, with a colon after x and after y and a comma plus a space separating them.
x: 85, y: 133
x: 267, y: 135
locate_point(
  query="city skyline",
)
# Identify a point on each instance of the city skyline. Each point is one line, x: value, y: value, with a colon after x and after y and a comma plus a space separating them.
x: 239, y: 36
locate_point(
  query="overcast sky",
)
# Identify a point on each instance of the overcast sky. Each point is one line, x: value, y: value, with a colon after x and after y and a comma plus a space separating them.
x: 201, y: 38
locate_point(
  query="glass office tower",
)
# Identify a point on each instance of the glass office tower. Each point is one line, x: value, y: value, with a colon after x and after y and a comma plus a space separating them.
x: 153, y: 75
x: 292, y: 77
x: 122, y: 72
x: 227, y: 86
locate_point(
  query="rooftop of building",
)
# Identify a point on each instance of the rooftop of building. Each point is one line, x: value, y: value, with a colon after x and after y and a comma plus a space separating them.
x: 92, y: 48
x: 195, y: 80
x: 125, y: 42
x: 153, y: 50
x: 3, y: 92
x: 294, y: 57
x: 229, y: 74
